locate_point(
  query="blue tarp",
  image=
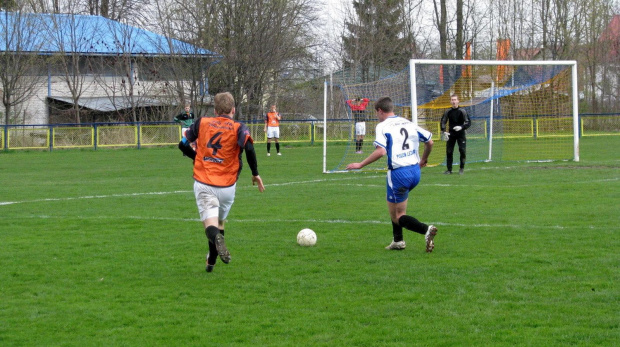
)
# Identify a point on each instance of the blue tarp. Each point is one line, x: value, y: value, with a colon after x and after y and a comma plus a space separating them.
x: 45, y: 33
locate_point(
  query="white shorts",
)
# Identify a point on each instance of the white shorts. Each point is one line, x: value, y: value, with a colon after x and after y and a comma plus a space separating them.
x: 213, y: 201
x: 360, y: 128
x: 273, y: 132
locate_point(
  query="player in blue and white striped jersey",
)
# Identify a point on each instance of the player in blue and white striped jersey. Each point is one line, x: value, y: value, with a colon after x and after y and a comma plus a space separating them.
x: 399, y: 139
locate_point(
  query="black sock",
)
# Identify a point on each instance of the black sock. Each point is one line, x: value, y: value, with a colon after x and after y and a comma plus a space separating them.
x: 211, y: 231
x: 212, y: 254
x: 278, y: 147
x: 268, y: 147
x: 397, y: 231
x: 213, y: 250
x: 361, y: 144
x: 412, y: 224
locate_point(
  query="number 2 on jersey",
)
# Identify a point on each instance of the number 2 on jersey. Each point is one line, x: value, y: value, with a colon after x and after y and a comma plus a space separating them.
x: 403, y: 132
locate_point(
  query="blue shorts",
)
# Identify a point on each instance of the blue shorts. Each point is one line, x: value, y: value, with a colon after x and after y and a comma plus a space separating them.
x: 401, y: 181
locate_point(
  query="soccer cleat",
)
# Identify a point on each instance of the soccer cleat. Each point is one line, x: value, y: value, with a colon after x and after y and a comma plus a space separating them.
x: 209, y: 267
x: 400, y: 245
x: 268, y: 154
x: 430, y: 235
x: 447, y: 172
x: 279, y: 153
x: 221, y: 248
x: 461, y: 171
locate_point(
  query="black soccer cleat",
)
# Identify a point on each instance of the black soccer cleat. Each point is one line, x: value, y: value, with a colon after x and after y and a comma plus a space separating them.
x: 209, y: 267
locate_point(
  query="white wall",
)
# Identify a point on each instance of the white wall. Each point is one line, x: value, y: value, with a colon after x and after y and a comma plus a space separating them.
x: 35, y: 111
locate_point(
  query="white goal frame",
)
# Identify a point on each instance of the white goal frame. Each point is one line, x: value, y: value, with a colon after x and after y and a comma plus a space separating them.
x: 571, y: 63
x: 413, y: 92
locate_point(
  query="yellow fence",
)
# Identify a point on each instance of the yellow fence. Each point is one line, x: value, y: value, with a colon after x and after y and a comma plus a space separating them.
x: 28, y: 138
x: 165, y: 134
x: 600, y: 126
x: 73, y: 137
x: 520, y: 128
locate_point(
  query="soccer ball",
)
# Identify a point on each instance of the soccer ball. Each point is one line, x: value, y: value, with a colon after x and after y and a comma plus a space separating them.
x: 306, y: 237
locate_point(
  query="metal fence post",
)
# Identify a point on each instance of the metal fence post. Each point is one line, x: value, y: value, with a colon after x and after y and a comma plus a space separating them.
x: 139, y: 137
x: 6, y: 137
x: 95, y: 135
x: 51, y: 131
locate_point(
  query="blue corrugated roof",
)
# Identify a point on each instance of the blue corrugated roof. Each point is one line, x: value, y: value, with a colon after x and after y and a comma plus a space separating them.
x: 89, y: 35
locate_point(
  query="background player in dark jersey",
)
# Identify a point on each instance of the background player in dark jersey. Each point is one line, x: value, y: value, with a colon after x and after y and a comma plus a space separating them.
x: 185, y: 118
x: 457, y: 121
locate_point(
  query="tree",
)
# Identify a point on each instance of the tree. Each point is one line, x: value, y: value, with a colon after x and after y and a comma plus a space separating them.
x: 260, y: 42
x: 20, y: 69
x: 595, y: 55
x: 71, y: 37
x: 441, y: 21
x: 376, y: 38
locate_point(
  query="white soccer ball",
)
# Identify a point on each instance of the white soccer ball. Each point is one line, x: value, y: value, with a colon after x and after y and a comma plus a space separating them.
x: 306, y: 237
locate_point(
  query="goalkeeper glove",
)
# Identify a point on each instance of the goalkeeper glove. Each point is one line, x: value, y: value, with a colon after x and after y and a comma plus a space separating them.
x: 457, y: 128
x: 446, y: 135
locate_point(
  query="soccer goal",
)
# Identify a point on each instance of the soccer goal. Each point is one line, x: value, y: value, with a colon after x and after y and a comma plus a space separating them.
x: 520, y: 110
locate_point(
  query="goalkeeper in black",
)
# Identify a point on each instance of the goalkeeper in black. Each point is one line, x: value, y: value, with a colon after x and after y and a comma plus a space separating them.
x: 456, y: 120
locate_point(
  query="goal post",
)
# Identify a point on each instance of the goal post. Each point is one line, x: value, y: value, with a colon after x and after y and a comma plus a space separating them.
x: 520, y: 110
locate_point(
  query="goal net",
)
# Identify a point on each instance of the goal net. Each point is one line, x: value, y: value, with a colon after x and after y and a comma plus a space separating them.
x: 519, y: 110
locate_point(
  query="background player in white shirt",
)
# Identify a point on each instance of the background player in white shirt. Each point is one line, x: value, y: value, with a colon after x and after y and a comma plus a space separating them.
x: 399, y: 139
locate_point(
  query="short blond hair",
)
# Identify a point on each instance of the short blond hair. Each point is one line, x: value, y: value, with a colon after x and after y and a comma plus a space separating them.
x: 224, y: 103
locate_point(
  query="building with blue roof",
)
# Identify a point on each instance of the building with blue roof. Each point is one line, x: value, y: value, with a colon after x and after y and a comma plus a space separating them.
x: 103, y: 68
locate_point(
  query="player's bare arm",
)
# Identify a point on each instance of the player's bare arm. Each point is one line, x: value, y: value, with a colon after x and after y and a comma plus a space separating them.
x: 428, y: 147
x: 259, y: 182
x: 374, y: 156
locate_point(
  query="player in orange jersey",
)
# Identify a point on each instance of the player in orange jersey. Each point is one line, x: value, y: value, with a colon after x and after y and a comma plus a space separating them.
x: 272, y: 128
x: 220, y: 141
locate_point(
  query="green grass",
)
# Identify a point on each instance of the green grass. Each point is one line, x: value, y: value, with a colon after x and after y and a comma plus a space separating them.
x: 104, y: 248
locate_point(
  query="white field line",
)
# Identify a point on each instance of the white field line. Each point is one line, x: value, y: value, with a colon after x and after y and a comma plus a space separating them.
x: 308, y: 221
x: 4, y: 203
x: 326, y: 181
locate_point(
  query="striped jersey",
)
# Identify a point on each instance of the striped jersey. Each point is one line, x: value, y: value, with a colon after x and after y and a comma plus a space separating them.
x: 401, y: 140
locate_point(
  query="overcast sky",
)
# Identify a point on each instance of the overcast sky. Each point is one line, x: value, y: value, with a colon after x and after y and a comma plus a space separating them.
x: 331, y: 30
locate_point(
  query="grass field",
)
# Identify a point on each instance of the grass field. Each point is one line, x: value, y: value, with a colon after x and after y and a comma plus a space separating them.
x: 104, y: 248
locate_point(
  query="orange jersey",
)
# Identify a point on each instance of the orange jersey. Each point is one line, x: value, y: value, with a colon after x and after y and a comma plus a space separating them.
x: 273, y: 119
x: 219, y: 144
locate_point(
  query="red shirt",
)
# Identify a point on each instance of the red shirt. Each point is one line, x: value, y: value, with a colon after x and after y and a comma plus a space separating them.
x: 360, y: 107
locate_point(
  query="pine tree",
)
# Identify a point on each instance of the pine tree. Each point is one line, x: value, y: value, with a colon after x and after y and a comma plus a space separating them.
x: 375, y: 39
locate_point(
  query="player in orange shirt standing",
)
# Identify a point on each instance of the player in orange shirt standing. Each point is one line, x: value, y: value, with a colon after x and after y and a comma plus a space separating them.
x: 220, y: 141
x: 272, y: 128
